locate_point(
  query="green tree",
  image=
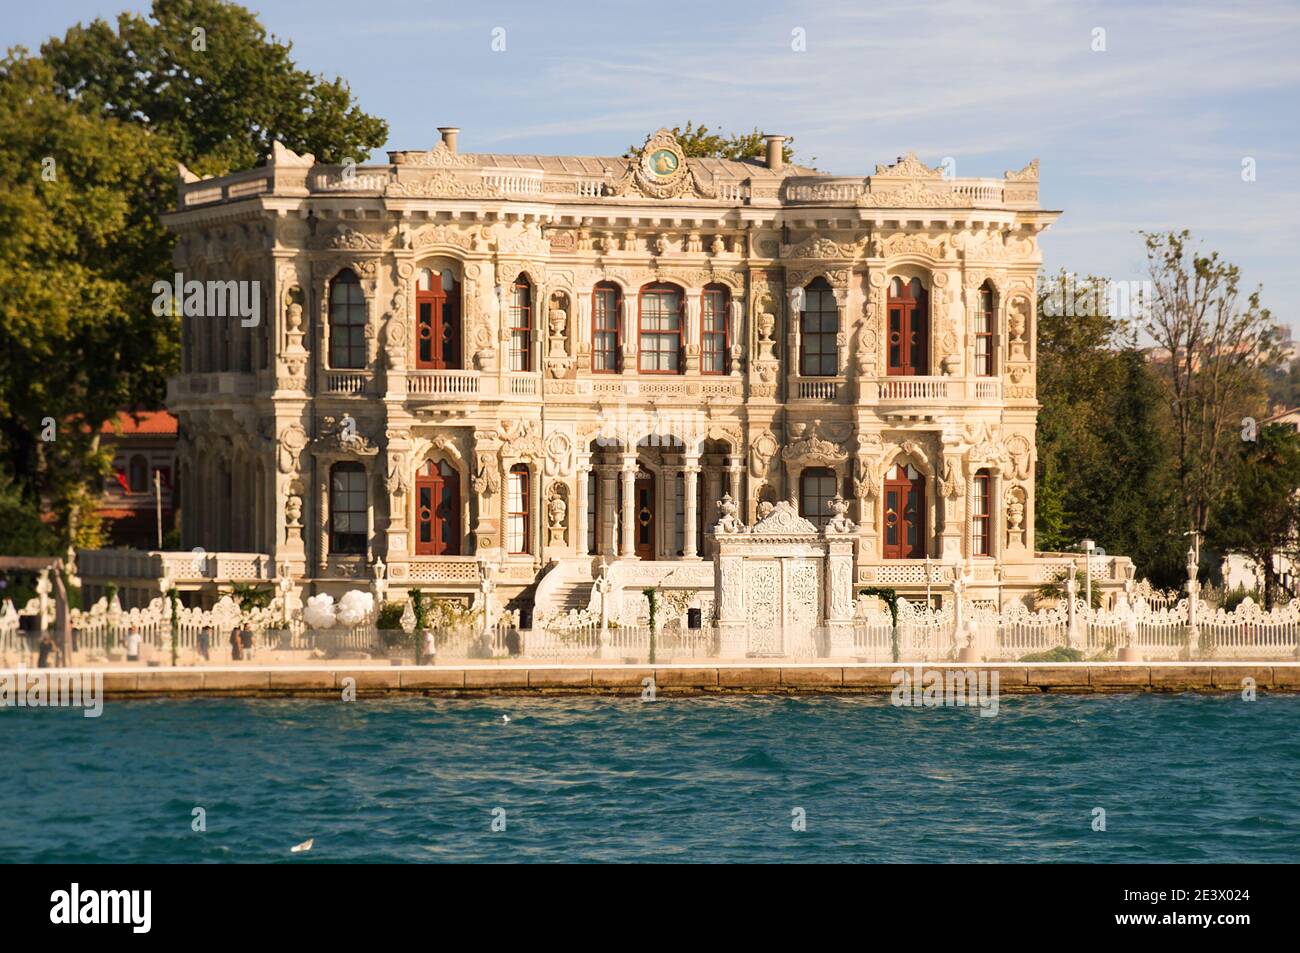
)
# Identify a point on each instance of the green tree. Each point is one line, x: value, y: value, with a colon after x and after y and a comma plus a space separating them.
x: 92, y: 132
x: 1214, y: 349
x: 1260, y: 514
x: 698, y: 142
x: 1102, y: 445
x: 206, y: 75
x: 79, y: 243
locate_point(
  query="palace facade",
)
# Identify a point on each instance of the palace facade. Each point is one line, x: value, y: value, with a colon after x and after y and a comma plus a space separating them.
x: 538, y: 363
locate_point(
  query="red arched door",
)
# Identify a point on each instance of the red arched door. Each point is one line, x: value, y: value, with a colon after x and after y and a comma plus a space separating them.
x: 437, y: 321
x: 909, y: 329
x: 904, y: 513
x: 437, y: 510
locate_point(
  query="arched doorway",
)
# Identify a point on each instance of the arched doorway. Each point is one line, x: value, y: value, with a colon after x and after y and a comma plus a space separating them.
x: 904, y: 504
x: 643, y: 514
x: 437, y: 320
x: 437, y: 510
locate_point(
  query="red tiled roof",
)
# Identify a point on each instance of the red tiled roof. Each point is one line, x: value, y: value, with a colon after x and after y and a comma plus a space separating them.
x: 141, y: 422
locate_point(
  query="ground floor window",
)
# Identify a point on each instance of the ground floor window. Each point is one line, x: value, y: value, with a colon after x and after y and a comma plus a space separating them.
x: 349, y: 523
x: 517, y: 522
x: 816, y: 490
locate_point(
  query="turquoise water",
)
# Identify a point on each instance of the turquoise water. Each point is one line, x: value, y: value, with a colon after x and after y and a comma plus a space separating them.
x: 1185, y: 778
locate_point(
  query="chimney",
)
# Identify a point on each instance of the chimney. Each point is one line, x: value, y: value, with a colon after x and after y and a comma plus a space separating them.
x: 775, y: 157
x: 449, y: 134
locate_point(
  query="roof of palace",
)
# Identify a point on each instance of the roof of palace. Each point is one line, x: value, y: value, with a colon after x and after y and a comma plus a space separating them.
x: 615, y: 165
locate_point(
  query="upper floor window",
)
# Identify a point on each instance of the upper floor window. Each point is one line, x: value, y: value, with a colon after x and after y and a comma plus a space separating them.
x: 521, y: 325
x: 816, y: 490
x: 605, y: 300
x: 138, y: 475
x: 981, y: 515
x: 984, y: 332
x: 437, y: 320
x: 660, y: 330
x: 909, y: 328
x: 348, y: 518
x: 819, y: 329
x: 517, y: 521
x: 713, y: 330
x: 347, y: 322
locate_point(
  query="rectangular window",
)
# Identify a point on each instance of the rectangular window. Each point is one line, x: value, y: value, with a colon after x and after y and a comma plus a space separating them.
x: 980, y: 517
x: 984, y: 334
x: 521, y: 327
x: 660, y: 332
x: 819, y: 326
x: 517, y: 511
x: 349, y: 524
x: 713, y: 332
x: 817, y: 489
x: 347, y: 325
x: 604, y: 330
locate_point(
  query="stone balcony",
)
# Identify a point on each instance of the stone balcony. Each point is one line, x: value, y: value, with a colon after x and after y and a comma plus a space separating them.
x: 197, y: 566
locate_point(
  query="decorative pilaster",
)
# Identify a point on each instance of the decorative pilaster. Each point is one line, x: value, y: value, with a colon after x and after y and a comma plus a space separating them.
x: 628, y: 474
x: 690, y: 506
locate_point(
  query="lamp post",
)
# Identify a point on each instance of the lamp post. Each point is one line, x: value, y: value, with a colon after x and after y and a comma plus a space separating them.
x: 1088, y: 547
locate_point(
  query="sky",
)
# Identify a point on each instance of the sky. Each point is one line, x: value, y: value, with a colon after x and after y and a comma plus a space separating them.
x: 1143, y: 113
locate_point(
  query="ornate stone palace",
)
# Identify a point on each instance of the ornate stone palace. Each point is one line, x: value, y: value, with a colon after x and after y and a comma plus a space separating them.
x: 540, y: 363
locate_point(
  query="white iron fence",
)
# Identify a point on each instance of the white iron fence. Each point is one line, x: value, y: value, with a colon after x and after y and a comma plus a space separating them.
x: 1156, y: 631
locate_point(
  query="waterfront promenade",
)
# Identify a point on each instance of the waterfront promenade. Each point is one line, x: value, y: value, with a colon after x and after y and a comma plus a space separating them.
x: 323, y: 679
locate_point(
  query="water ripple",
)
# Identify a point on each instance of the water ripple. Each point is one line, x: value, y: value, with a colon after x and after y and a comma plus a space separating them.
x: 1181, y: 778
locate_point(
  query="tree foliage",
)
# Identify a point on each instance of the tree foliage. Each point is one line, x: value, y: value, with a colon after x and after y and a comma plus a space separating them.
x: 698, y: 142
x: 1214, y: 346
x: 1102, y: 453
x: 93, y: 130
x: 1260, y: 513
x: 221, y: 96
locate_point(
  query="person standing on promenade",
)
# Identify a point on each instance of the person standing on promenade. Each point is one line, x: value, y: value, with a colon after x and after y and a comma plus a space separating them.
x: 205, y: 641
x: 236, y: 650
x: 45, y: 649
x: 246, y: 640
x: 133, y: 641
x: 430, y: 650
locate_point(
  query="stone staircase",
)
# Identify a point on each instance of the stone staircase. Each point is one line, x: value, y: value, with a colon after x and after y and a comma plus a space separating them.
x: 566, y: 586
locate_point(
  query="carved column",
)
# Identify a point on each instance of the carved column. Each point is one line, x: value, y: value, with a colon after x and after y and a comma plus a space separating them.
x: 690, y: 506
x: 629, y: 334
x: 578, y: 507
x: 323, y: 519
x: 839, y: 595
x: 629, y: 505
x: 608, y: 516
x: 735, y: 467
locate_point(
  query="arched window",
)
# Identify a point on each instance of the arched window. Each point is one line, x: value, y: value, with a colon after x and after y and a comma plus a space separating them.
x: 909, y: 328
x: 816, y: 490
x: 904, y: 503
x: 437, y: 320
x: 349, y: 525
x: 517, y: 521
x: 347, y: 322
x: 437, y: 510
x: 984, y: 366
x: 521, y: 325
x: 660, y: 330
x: 138, y: 474
x: 981, y: 515
x: 605, y: 301
x: 713, y: 330
x: 819, y: 327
